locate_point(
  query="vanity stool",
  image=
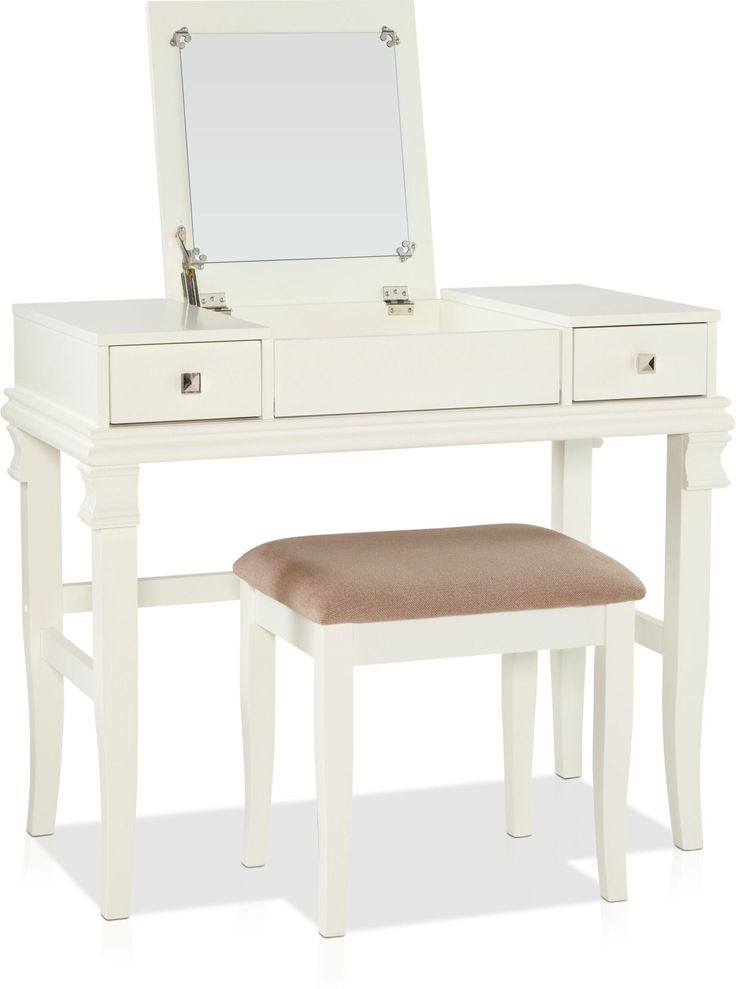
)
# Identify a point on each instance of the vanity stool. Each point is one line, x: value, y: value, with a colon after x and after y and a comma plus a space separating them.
x: 376, y: 597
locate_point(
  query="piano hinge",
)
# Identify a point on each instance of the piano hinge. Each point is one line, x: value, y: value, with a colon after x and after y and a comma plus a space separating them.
x: 398, y: 301
x: 180, y: 38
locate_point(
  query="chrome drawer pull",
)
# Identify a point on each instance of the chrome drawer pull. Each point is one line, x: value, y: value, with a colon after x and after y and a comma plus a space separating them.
x: 191, y: 383
x: 646, y: 363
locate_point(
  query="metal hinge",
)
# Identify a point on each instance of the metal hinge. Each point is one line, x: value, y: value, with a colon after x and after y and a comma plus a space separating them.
x: 180, y: 38
x: 398, y: 301
x: 407, y: 249
x: 191, y: 262
x: 390, y: 37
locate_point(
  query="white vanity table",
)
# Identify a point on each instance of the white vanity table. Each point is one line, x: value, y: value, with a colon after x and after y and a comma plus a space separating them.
x: 335, y: 340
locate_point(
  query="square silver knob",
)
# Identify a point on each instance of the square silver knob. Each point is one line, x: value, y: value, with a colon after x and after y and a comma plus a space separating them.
x: 646, y: 363
x: 191, y: 383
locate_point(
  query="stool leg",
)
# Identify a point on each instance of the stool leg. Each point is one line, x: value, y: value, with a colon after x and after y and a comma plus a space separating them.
x: 612, y: 721
x: 257, y: 701
x: 333, y: 724
x: 519, y: 693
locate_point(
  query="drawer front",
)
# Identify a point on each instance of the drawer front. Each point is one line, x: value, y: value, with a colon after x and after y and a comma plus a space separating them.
x: 337, y: 376
x: 640, y: 361
x: 147, y: 384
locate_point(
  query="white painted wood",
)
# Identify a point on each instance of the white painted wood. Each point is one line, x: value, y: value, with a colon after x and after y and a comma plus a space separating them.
x: 351, y: 279
x: 111, y: 510
x: 36, y: 467
x: 133, y: 321
x: 612, y: 723
x: 519, y: 698
x: 65, y: 370
x: 257, y: 700
x: 400, y: 373
x: 712, y: 359
x: 686, y: 605
x: 348, y: 319
x: 338, y: 648
x: 579, y: 305
x: 155, y: 592
x: 438, y: 638
x: 114, y: 615
x: 475, y: 635
x: 605, y: 361
x: 649, y: 632
x: 333, y: 728
x: 145, y: 382
x: 702, y: 468
x: 165, y: 442
x: 63, y: 656
x: 572, y: 492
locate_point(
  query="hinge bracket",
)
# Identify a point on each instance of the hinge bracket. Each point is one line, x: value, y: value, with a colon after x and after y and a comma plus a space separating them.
x: 398, y: 301
x: 191, y: 262
x: 180, y: 38
x: 390, y: 37
x: 407, y: 249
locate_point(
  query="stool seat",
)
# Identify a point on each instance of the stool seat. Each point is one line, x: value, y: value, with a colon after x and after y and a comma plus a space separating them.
x: 429, y: 573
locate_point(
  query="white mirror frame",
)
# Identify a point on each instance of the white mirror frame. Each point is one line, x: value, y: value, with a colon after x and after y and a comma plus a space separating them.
x: 278, y: 282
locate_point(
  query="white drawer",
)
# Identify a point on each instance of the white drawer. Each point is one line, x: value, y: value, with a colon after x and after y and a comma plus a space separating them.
x: 146, y: 381
x: 336, y: 376
x: 616, y: 361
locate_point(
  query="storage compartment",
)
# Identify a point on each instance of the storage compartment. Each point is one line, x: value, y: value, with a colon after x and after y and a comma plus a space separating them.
x: 177, y: 382
x: 640, y: 361
x: 336, y: 376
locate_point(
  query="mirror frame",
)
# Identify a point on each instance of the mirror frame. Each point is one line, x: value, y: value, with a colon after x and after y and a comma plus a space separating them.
x: 304, y: 281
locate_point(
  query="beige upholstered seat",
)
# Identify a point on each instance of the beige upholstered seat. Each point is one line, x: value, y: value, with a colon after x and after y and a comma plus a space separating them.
x: 427, y: 573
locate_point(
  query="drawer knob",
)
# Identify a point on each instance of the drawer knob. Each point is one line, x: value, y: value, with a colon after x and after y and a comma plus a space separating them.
x: 646, y: 363
x: 191, y: 383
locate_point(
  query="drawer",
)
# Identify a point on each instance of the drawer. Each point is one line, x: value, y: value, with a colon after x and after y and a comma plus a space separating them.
x: 146, y: 382
x: 337, y: 376
x: 640, y: 361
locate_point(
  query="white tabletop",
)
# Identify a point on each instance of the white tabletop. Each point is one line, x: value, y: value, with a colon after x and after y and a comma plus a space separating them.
x: 580, y: 305
x: 138, y: 320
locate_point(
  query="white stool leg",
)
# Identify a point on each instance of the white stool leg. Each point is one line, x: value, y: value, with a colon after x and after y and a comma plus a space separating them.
x: 519, y: 693
x: 612, y: 721
x: 257, y: 699
x: 333, y: 722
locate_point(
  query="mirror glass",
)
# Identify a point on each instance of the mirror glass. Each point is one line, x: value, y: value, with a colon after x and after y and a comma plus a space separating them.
x: 294, y: 146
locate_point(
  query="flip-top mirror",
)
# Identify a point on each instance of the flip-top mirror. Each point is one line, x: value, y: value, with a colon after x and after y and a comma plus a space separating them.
x: 294, y: 146
x: 290, y: 151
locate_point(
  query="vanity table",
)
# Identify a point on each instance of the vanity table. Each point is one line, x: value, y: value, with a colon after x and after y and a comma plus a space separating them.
x: 312, y: 323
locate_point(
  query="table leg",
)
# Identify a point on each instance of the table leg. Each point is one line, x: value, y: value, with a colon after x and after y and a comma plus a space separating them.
x: 110, y: 509
x: 36, y: 466
x: 572, y: 470
x: 693, y: 469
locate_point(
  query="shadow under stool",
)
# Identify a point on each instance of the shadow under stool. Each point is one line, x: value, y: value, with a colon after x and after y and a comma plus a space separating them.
x: 380, y: 597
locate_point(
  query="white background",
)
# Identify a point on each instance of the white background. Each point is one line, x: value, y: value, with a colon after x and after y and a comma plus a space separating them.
x: 575, y: 141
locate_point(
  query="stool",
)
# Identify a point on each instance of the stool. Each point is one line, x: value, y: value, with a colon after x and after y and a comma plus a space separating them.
x: 379, y: 597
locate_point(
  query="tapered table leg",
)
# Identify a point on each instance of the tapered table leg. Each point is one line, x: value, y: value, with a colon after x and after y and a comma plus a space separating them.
x: 572, y: 466
x: 36, y: 466
x: 110, y: 509
x: 693, y: 469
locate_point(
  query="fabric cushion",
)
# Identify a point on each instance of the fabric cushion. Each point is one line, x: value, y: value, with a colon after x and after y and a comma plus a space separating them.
x: 426, y: 573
